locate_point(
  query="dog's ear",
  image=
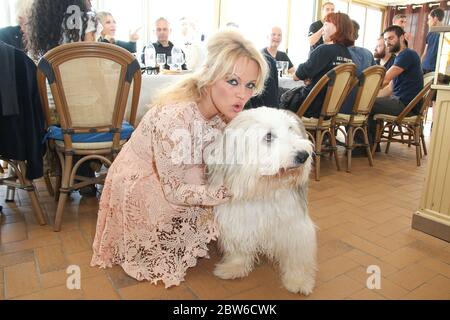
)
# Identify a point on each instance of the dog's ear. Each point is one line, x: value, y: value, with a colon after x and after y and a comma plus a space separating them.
x: 299, y: 122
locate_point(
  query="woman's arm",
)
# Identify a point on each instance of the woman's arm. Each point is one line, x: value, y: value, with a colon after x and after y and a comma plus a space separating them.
x: 182, y: 183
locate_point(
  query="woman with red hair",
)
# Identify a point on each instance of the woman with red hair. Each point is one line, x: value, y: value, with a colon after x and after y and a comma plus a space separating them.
x: 337, y: 35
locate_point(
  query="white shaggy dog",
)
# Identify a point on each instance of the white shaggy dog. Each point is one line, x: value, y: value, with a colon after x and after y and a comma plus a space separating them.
x: 264, y: 159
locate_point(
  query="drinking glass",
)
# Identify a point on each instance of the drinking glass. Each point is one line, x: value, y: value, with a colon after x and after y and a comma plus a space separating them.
x: 170, y: 63
x: 280, y: 68
x: 161, y: 59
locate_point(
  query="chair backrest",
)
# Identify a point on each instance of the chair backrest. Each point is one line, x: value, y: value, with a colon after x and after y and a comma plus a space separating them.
x: 90, y: 84
x: 427, y: 77
x: 369, y: 84
x: 426, y: 94
x: 338, y: 82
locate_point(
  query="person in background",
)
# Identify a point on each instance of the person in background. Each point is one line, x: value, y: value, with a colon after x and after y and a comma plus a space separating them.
x: 155, y: 215
x: 51, y: 23
x: 402, y: 82
x: 275, y: 38
x: 338, y: 31
x: 429, y: 55
x: 162, y: 45
x: 14, y: 35
x: 401, y: 20
x: 191, y: 42
x: 46, y: 16
x: 108, y: 34
x: 315, y: 29
x: 363, y: 59
x: 383, y: 57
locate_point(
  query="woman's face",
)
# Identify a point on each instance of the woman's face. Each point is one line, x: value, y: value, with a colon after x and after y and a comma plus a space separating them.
x: 328, y: 30
x: 109, y: 26
x: 230, y: 95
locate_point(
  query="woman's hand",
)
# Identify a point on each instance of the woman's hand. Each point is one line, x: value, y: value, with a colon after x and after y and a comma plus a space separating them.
x: 134, y: 36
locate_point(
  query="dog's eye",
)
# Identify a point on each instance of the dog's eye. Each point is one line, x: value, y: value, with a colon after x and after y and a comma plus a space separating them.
x: 268, y: 137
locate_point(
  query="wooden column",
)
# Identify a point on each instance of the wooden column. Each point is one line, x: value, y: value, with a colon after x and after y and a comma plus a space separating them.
x: 433, y: 216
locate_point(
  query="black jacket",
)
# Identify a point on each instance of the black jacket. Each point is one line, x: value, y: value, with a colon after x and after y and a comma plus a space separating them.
x: 130, y: 46
x: 269, y: 97
x: 21, y: 135
x: 12, y: 36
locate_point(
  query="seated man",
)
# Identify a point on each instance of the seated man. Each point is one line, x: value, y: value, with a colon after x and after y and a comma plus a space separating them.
x: 382, y: 55
x: 275, y: 38
x: 403, y: 81
x: 162, y: 45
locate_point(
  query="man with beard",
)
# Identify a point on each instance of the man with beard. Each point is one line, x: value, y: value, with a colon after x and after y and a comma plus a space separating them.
x: 402, y: 82
x: 382, y: 55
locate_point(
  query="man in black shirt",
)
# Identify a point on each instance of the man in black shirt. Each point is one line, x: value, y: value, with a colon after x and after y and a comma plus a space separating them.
x: 163, y: 45
x: 275, y: 38
x: 315, y: 30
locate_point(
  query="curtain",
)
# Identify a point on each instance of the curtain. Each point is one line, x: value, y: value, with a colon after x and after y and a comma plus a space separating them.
x: 417, y: 20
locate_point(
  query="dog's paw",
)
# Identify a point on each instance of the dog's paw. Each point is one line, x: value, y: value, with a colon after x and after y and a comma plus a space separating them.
x: 299, y: 284
x: 230, y: 271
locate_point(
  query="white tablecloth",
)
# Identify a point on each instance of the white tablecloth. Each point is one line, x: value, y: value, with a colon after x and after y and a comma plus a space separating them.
x: 288, y: 82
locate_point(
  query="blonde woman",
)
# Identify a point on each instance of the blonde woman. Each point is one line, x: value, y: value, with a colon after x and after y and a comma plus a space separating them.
x: 108, y: 33
x: 155, y: 217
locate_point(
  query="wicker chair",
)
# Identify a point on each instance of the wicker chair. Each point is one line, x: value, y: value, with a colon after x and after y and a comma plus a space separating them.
x: 90, y: 84
x: 391, y: 128
x: 368, y: 84
x: 338, y: 82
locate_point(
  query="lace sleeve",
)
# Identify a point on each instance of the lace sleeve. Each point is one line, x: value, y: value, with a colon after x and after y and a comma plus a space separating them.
x: 183, y: 184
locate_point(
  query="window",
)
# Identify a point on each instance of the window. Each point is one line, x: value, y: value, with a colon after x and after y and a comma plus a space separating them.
x: 256, y: 17
x: 7, y: 13
x: 302, y: 15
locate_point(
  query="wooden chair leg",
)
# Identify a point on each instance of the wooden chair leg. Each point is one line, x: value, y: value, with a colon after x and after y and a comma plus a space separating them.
x: 31, y: 189
x: 349, y: 147
x: 64, y: 192
x: 366, y: 142
x: 48, y: 184
x: 318, y: 153
x: 417, y: 144
x: 334, y: 148
x: 422, y: 138
x: 390, y: 135
x: 378, y: 134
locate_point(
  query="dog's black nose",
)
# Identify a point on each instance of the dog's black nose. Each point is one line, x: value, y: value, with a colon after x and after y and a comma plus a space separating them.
x: 301, y: 157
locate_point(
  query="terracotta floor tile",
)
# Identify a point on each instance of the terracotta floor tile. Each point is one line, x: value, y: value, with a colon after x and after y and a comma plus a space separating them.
x: 334, y: 267
x: 21, y: 279
x: 390, y: 290
x: 267, y: 292
x: 436, y: 265
x: 50, y: 258
x: 366, y: 260
x: 336, y: 289
x: 98, y: 288
x: 50, y: 239
x: 332, y: 249
x: 147, y: 291
x: 412, y: 276
x: 205, y: 285
x: 83, y: 260
x: 119, y: 278
x: 56, y: 293
x: 10, y: 259
x: 73, y: 242
x: 366, y: 294
x: 54, y: 278
x: 435, y: 289
x: 403, y: 257
x: 365, y: 245
x: 13, y: 232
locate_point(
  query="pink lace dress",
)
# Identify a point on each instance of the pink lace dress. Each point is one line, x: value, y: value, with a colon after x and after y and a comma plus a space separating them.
x: 155, y: 217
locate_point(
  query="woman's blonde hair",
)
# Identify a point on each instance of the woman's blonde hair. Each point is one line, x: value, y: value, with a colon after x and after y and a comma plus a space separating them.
x: 223, y: 50
x: 101, y: 17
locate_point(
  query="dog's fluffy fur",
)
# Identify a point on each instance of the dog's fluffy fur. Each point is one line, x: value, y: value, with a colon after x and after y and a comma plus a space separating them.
x: 260, y: 158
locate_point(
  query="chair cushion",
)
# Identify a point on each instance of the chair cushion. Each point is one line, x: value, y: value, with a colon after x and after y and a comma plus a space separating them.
x: 55, y: 133
x: 388, y: 117
x: 314, y: 122
x: 345, y: 118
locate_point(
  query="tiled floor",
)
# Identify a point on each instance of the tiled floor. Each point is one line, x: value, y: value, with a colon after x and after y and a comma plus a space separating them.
x: 364, y: 220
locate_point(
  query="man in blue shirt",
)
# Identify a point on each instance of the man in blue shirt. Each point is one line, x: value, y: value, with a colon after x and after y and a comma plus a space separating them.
x: 429, y: 55
x: 402, y: 82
